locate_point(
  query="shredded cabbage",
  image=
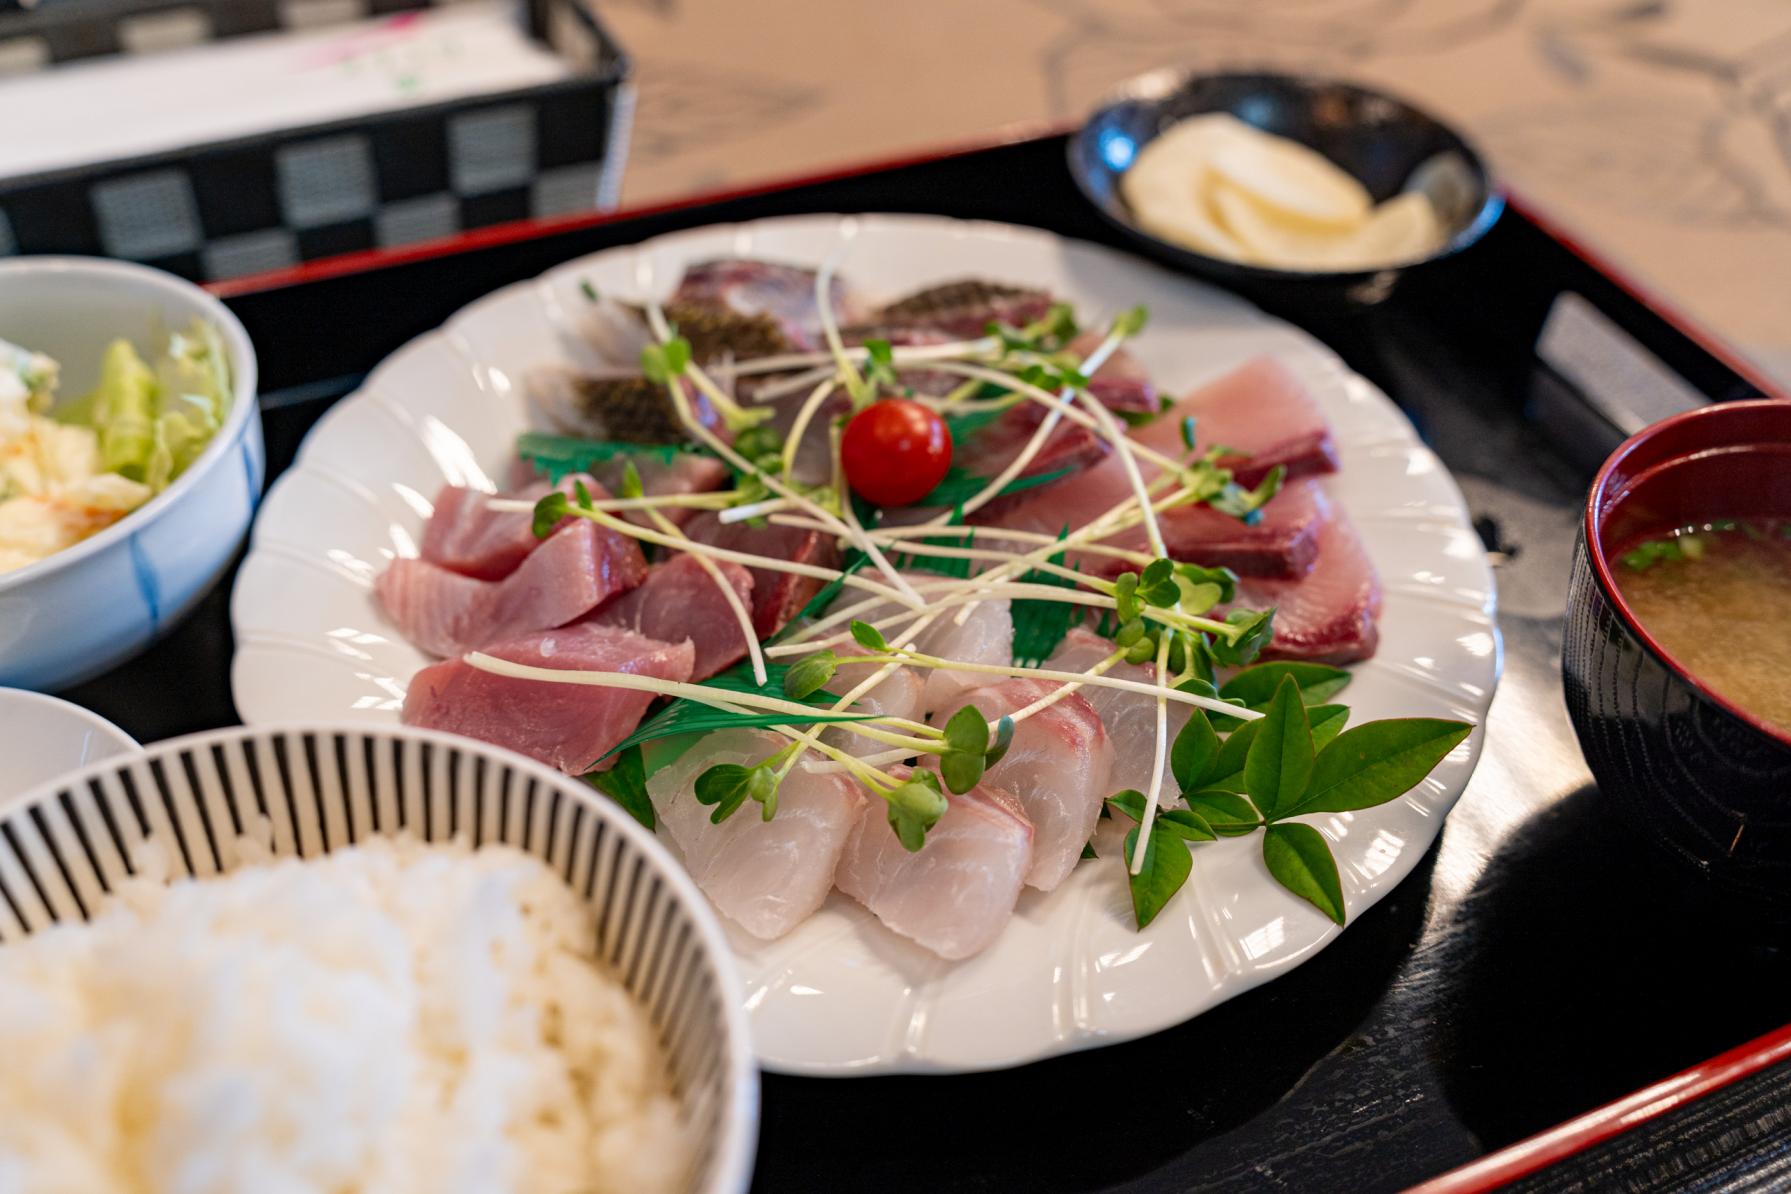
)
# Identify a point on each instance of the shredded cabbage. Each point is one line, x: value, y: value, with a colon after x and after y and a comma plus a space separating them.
x: 154, y: 422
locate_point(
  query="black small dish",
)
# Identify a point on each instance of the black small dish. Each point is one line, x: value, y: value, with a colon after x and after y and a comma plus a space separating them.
x: 1376, y: 138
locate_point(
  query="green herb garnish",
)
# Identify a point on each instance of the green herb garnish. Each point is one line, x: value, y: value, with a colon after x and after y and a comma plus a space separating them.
x: 1271, y: 770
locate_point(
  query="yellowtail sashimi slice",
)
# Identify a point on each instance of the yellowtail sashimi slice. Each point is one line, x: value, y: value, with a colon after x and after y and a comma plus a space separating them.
x: 1058, y: 766
x: 766, y: 876
x: 956, y: 894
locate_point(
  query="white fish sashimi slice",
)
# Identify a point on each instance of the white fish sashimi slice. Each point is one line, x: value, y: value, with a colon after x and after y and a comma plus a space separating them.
x: 1059, y: 766
x: 1130, y: 718
x: 767, y: 876
x: 896, y: 695
x: 986, y: 636
x: 955, y: 894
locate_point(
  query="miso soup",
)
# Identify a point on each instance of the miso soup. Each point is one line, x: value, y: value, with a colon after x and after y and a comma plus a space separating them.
x: 1717, y: 598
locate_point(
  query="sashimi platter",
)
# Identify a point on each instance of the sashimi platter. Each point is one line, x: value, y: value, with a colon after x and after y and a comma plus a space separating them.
x: 1023, y: 648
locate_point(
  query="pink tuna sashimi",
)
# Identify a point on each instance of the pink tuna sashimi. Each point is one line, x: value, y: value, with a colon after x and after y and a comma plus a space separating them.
x: 955, y: 894
x: 679, y: 599
x: 1283, y: 543
x: 688, y: 472
x: 784, y: 293
x: 1331, y: 614
x: 570, y: 574
x: 1261, y: 409
x: 465, y: 535
x: 569, y: 726
x: 776, y: 596
x: 1058, y: 766
x: 768, y: 876
x: 1130, y: 718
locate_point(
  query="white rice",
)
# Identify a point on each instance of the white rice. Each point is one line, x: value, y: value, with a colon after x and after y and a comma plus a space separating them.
x: 391, y: 1018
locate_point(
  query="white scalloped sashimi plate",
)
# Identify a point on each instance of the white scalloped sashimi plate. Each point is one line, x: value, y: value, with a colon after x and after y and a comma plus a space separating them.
x: 841, y: 995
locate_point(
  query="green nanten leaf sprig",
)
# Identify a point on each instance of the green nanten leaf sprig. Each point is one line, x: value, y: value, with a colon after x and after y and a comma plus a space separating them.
x: 1294, y: 761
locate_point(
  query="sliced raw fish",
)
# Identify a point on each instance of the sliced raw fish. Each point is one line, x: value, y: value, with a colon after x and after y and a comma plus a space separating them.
x: 767, y: 876
x: 1331, y: 614
x: 1059, y: 766
x: 986, y: 636
x: 1121, y: 382
x: 620, y: 407
x: 776, y: 596
x: 679, y: 599
x: 956, y: 893
x: 781, y: 294
x: 1261, y: 409
x: 569, y: 726
x: 964, y: 308
x: 465, y: 535
x: 1130, y: 718
x: 896, y: 695
x: 571, y: 573
x: 1068, y: 448
x: 687, y: 472
x: 1283, y: 543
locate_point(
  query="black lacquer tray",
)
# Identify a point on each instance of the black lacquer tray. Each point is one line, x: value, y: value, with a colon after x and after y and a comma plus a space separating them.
x: 1535, y: 967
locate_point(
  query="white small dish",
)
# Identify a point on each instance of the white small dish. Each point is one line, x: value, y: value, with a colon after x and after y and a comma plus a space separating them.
x: 42, y: 737
x: 87, y: 608
x: 841, y: 995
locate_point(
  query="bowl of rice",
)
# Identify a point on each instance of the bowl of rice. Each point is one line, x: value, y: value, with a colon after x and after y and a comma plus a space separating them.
x: 359, y: 961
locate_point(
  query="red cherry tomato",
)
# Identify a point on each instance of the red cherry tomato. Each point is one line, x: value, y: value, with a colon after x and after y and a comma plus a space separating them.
x: 895, y: 451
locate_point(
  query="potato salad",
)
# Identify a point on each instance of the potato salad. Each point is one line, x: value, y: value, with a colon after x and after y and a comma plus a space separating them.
x: 69, y: 469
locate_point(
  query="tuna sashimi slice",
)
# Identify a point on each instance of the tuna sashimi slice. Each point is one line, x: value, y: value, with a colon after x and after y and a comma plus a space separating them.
x: 1059, y: 766
x: 569, y: 726
x: 678, y: 600
x: 776, y: 596
x: 954, y: 895
x: 575, y: 570
x: 465, y: 535
x: 767, y: 876
x: 1263, y: 410
x: 1130, y: 718
x: 1283, y: 543
x: 688, y: 472
x: 1331, y: 614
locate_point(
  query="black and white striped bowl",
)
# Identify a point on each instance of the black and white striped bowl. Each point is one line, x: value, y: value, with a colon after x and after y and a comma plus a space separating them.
x: 66, y: 845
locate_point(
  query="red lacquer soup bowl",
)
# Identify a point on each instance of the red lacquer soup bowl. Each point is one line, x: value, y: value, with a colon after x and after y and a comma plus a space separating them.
x: 1687, y: 768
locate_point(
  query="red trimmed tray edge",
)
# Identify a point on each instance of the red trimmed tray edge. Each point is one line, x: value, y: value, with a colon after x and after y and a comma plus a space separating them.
x: 1613, y: 1119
